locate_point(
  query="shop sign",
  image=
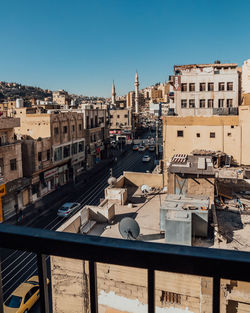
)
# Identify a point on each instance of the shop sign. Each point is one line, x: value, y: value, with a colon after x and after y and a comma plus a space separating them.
x: 51, y: 172
x: 2, y: 190
x: 63, y: 168
x: 177, y: 83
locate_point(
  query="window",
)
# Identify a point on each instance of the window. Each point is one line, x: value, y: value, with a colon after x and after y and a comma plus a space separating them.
x: 210, y: 103
x: 87, y: 122
x: 230, y: 86
x: 229, y: 103
x: 118, y: 116
x: 13, y: 164
x: 202, y: 103
x: 126, y: 115
x: 192, y: 103
x: 58, y: 154
x: 232, y: 126
x: 91, y: 123
x: 180, y: 133
x: 96, y: 122
x: 73, y: 128
x: 170, y: 297
x: 221, y: 86
x: 48, y: 155
x: 229, y: 134
x: 221, y: 103
x: 198, y: 135
x: 202, y: 86
x: 183, y: 87
x: 191, y: 87
x: 66, y: 151
x: 65, y: 129
x: 80, y: 127
x: 212, y: 135
x: 74, y: 148
x: 111, y: 116
x: 56, y: 131
x: 210, y: 86
x: 81, y: 146
x: 184, y: 103
x: 40, y: 156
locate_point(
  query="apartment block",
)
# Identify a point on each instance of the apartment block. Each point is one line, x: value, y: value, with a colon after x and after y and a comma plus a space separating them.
x: 246, y: 77
x: 229, y: 134
x: 11, y: 173
x: 53, y: 147
x: 61, y: 97
x: 206, y: 89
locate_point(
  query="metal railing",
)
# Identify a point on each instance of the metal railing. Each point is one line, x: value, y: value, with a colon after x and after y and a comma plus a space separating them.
x: 199, y: 261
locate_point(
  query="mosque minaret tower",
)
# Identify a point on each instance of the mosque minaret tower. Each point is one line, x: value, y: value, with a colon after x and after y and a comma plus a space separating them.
x: 113, y: 94
x: 136, y: 93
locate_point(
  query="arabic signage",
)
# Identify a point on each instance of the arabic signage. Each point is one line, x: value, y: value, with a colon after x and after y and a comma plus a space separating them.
x: 177, y: 83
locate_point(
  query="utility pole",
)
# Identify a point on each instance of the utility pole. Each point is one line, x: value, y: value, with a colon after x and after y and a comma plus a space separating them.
x: 156, y: 141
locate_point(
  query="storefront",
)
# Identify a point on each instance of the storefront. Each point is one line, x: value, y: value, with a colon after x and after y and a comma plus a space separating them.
x: 16, y: 193
x: 78, y: 165
x: 63, y: 175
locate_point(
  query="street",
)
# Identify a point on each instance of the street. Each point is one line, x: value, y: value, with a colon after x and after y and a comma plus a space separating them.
x: 17, y: 266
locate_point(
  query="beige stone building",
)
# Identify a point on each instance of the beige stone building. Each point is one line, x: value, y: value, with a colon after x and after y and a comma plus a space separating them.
x: 53, y: 147
x: 11, y: 175
x: 206, y: 89
x: 229, y: 134
x: 121, y: 122
x: 61, y: 97
x: 246, y: 76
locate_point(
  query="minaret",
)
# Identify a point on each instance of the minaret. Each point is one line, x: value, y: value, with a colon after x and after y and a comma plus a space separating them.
x: 113, y: 94
x: 136, y: 93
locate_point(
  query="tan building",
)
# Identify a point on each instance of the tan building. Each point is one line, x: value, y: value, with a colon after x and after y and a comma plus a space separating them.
x: 121, y: 122
x: 229, y: 134
x: 206, y: 89
x: 246, y: 76
x: 55, y: 143
x: 131, y: 100
x: 11, y: 175
x: 61, y: 97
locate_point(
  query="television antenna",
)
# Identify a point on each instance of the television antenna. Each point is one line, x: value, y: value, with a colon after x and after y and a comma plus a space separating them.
x: 129, y: 228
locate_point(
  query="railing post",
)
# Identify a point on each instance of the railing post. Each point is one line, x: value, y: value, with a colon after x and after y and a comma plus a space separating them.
x: 216, y: 294
x: 1, y: 287
x: 93, y: 287
x: 42, y: 273
x: 151, y: 291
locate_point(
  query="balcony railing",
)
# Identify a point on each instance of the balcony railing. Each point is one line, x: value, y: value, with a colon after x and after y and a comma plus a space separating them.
x: 213, y: 263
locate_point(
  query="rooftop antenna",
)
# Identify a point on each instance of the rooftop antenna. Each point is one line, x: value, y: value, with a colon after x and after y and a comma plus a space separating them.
x: 129, y: 228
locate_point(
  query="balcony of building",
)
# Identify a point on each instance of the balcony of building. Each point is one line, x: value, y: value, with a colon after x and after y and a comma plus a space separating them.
x: 152, y: 257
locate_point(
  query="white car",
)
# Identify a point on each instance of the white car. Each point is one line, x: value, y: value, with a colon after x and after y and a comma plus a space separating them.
x: 146, y: 158
x: 141, y: 148
x: 67, y: 208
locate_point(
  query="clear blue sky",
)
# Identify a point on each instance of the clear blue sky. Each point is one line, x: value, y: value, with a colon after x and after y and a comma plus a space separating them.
x: 81, y: 46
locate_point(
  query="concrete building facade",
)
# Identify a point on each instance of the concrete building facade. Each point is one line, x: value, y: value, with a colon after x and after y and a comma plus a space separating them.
x: 229, y: 134
x: 199, y: 89
x: 11, y: 173
x: 61, y: 97
x: 246, y: 76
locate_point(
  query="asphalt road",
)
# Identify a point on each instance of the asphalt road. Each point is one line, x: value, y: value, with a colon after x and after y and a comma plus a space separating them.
x: 17, y: 266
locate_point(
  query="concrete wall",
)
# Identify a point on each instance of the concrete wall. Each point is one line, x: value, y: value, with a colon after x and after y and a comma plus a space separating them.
x: 196, y: 186
x: 231, y: 135
x: 138, y: 179
x: 118, y: 195
x: 182, y: 293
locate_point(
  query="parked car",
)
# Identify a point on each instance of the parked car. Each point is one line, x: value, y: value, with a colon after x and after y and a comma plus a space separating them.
x: 24, y: 296
x: 146, y: 158
x: 67, y: 208
x: 151, y: 148
x: 135, y: 147
x: 113, y: 143
x: 141, y: 148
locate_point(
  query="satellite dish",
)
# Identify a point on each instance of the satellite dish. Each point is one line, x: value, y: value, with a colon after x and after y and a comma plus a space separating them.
x: 145, y: 189
x: 129, y: 228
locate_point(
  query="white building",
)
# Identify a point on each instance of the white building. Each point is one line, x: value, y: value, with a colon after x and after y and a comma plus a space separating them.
x: 246, y: 76
x: 200, y: 89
